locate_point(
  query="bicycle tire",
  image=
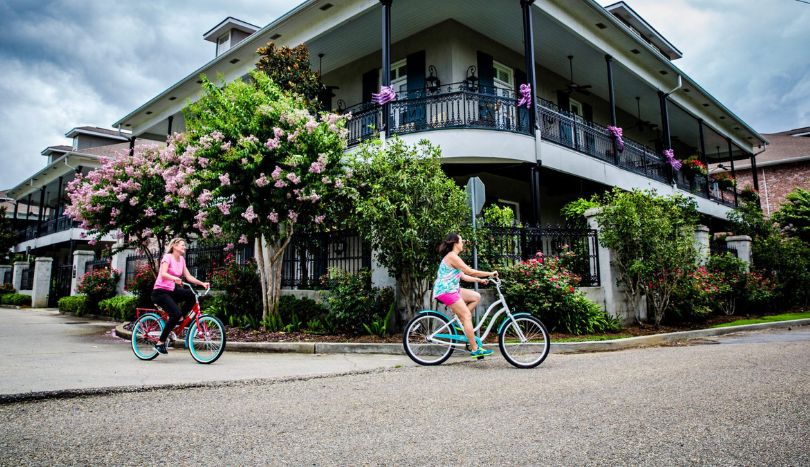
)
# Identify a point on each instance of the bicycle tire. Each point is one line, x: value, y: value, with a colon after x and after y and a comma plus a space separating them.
x: 535, y: 348
x: 145, y: 334
x: 414, y: 339
x: 206, y: 345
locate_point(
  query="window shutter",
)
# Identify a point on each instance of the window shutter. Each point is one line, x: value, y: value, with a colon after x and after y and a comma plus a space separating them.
x: 587, y: 112
x: 486, y: 73
x: 416, y: 73
x: 562, y: 101
x: 522, y: 113
x: 370, y: 84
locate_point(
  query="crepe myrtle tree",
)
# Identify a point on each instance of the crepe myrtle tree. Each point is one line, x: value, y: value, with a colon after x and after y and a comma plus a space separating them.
x: 259, y: 167
x: 128, y: 196
x: 405, y: 206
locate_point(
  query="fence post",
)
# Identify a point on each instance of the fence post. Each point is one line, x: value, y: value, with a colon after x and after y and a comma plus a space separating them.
x: 701, y: 242
x: 4, y: 268
x: 80, y: 259
x: 41, y: 286
x: 742, y: 245
x: 119, y: 262
x: 16, y: 278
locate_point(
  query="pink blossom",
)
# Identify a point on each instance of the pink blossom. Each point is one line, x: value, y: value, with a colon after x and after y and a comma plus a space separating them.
x: 243, y: 239
x: 338, y: 183
x: 277, y: 132
x: 133, y: 201
x: 262, y: 181
x: 273, y: 217
x: 205, y: 197
x: 225, y: 179
x: 224, y: 208
x: 292, y: 215
x: 217, y: 136
x: 310, y: 125
x: 272, y: 143
x: 226, y: 145
x: 276, y: 173
x: 319, y: 219
x: 228, y: 247
x: 280, y: 184
x: 149, y: 212
x: 203, y: 162
x: 293, y: 178
x: 249, y: 215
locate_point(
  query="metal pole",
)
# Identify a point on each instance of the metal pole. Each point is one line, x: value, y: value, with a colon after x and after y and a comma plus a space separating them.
x: 733, y: 173
x: 703, y: 154
x: 386, y: 60
x: 609, y: 62
x: 528, y: 52
x: 662, y: 100
x: 475, y: 248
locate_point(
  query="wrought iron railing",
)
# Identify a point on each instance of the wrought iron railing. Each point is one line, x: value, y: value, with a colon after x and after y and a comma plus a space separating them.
x: 48, y: 227
x: 502, y: 246
x: 97, y: 264
x: 309, y: 257
x: 27, y: 279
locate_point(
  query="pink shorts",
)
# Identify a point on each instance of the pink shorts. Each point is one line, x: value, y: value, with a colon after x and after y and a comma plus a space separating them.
x: 449, y: 298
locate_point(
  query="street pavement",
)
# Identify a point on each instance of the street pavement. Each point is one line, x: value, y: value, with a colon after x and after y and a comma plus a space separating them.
x: 740, y: 399
x: 44, y: 351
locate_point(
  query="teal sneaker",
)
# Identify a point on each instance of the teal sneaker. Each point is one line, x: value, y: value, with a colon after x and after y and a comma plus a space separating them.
x: 481, y: 352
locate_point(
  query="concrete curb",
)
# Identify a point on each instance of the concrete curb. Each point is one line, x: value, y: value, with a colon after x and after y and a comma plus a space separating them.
x: 558, y: 348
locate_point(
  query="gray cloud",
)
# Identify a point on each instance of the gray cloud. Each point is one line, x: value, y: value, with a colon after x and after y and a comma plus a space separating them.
x: 69, y: 63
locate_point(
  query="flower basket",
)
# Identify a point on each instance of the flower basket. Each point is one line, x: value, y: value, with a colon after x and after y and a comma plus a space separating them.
x: 692, y: 165
x: 724, y: 180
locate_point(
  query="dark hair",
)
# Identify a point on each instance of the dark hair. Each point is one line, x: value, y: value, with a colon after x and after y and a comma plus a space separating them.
x: 447, y: 245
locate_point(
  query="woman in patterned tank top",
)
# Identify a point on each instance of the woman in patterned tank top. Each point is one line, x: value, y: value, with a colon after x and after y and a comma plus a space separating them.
x: 447, y: 289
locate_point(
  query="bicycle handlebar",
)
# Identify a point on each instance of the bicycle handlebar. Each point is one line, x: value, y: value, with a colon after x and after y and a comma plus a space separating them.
x: 195, y: 292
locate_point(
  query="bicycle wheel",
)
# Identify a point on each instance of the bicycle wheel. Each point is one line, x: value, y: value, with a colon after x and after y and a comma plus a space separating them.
x: 530, y: 351
x: 415, y: 339
x: 206, y: 341
x: 145, y: 334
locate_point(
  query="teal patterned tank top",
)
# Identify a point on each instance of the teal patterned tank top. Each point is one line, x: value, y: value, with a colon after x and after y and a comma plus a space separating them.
x: 447, y: 279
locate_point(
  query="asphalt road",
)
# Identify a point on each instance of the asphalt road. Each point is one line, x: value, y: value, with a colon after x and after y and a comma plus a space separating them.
x: 734, y: 400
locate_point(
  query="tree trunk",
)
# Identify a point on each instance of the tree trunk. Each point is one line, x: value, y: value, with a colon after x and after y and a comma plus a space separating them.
x: 270, y: 261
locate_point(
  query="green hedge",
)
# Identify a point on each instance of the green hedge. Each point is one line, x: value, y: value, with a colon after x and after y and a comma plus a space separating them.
x: 76, y: 304
x: 119, y: 307
x: 16, y: 299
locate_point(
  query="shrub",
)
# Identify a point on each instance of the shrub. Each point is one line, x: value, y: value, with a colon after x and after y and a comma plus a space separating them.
x: 98, y: 285
x: 241, y: 287
x: 142, y: 284
x: 297, y: 312
x: 119, y: 307
x: 353, y: 301
x: 759, y: 290
x: 545, y: 288
x: 16, y: 299
x: 76, y: 304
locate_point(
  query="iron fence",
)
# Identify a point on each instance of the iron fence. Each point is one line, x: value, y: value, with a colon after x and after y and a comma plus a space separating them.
x: 309, y: 257
x: 7, y: 277
x: 507, y: 246
x: 27, y: 279
x: 97, y: 264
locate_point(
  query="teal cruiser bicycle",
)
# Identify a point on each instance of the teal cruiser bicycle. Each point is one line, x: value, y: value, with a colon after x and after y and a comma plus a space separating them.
x: 431, y: 336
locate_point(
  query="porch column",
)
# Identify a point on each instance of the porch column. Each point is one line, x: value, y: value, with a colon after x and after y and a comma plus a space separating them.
x: 528, y: 55
x: 704, y: 159
x: 16, y: 274
x: 28, y: 209
x: 662, y: 100
x: 41, y: 208
x: 16, y: 207
x: 742, y: 245
x: 386, y: 60
x: 41, y: 287
x: 80, y: 259
x: 534, y: 173
x: 58, y: 209
x: 733, y: 173
x: 169, y: 130
x: 609, y: 63
x: 754, y: 175
x: 131, y: 146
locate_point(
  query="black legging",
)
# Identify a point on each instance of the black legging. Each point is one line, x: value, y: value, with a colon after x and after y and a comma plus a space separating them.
x: 168, y: 300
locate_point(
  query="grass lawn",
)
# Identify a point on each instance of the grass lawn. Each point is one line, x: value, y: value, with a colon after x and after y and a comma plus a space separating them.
x: 766, y: 319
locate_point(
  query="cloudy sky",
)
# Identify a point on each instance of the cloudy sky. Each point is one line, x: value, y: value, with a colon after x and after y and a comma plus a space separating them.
x: 70, y: 63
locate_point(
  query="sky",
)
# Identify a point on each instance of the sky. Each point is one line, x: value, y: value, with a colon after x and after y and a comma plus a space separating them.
x: 71, y: 63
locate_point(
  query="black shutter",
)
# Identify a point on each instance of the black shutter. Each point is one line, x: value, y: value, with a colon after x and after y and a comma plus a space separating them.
x: 486, y: 73
x: 370, y: 84
x: 522, y: 112
x: 566, y: 129
x: 587, y: 112
x: 415, y: 113
x: 562, y: 101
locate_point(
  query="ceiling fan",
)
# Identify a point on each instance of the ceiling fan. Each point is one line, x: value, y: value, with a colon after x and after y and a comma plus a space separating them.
x: 572, y: 86
x: 642, y: 124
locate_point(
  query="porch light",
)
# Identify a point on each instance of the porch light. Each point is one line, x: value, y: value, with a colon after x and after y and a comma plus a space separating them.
x: 432, y: 82
x: 471, y: 81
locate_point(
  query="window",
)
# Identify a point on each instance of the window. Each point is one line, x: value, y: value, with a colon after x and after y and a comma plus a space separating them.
x: 223, y: 43
x: 399, y: 76
x: 504, y: 79
x: 75, y: 143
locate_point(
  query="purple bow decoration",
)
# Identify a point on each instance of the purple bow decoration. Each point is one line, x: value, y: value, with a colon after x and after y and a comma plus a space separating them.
x: 385, y: 95
x: 670, y: 155
x: 525, y: 96
x: 616, y: 132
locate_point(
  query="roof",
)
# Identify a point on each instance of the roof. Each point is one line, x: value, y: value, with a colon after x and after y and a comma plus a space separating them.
x: 623, y: 11
x: 59, y: 148
x: 97, y: 131
x: 227, y: 24
x: 786, y: 147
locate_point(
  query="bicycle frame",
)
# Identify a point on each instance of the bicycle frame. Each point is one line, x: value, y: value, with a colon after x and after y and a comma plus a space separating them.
x: 194, y: 314
x: 455, y: 340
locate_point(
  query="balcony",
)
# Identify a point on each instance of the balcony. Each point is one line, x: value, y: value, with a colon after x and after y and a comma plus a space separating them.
x: 48, y: 227
x: 460, y: 106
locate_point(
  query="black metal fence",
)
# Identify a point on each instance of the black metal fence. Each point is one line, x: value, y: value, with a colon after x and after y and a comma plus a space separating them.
x: 61, y: 276
x: 721, y: 247
x: 96, y: 264
x: 7, y: 277
x: 27, y: 279
x: 507, y: 246
x: 308, y: 258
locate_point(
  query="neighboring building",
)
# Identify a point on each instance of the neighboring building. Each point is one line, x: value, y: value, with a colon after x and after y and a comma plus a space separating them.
x: 782, y: 167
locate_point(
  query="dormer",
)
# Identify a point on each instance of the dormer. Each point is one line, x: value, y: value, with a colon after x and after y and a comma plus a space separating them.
x: 55, y: 152
x: 228, y: 33
x: 90, y: 137
x: 642, y: 28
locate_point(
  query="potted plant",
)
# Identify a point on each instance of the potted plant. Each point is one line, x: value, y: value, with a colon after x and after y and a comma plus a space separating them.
x: 724, y: 180
x: 694, y: 166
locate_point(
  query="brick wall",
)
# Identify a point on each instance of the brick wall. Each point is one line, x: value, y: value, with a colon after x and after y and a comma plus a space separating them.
x: 775, y: 182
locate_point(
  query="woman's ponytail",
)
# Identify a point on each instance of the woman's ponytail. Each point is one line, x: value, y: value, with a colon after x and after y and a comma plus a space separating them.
x: 447, y: 245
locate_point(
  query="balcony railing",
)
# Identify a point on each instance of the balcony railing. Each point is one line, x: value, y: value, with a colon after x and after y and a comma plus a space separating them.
x: 48, y: 227
x: 458, y: 106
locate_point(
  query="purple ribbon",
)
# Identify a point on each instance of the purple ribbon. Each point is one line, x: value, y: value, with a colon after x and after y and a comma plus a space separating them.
x: 670, y: 155
x: 385, y: 95
x: 616, y: 132
x: 525, y: 96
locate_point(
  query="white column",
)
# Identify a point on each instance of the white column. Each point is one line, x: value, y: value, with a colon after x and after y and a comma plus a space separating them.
x: 701, y: 242
x: 80, y: 259
x: 16, y: 278
x: 119, y: 262
x: 42, y: 282
x: 742, y: 245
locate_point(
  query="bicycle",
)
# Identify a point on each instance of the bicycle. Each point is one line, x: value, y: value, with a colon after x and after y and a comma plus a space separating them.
x: 204, y: 338
x: 431, y: 336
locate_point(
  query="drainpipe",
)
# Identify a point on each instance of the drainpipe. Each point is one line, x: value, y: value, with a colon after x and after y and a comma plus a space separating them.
x: 733, y: 173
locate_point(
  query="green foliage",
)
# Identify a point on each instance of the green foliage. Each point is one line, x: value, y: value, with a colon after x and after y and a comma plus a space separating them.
x: 574, y: 211
x: 352, y: 300
x: 380, y: 326
x: 404, y: 206
x: 120, y: 307
x: 241, y: 287
x: 292, y: 309
x: 76, y: 304
x: 98, y: 285
x: 142, y: 284
x: 16, y: 299
x: 794, y: 215
x: 545, y: 288
x: 8, y: 236
x: 498, y: 216
x: 652, y: 237
x: 6, y: 288
x: 289, y: 68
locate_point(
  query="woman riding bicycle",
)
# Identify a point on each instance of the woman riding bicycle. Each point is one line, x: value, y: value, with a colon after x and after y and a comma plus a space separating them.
x: 447, y: 288
x: 168, y: 290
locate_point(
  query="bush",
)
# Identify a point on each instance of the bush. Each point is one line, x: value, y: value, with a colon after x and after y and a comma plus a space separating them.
x: 98, y: 285
x: 241, y: 287
x: 119, y: 307
x: 76, y: 304
x: 16, y: 299
x: 546, y: 289
x: 142, y: 284
x: 353, y: 301
x: 297, y: 312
